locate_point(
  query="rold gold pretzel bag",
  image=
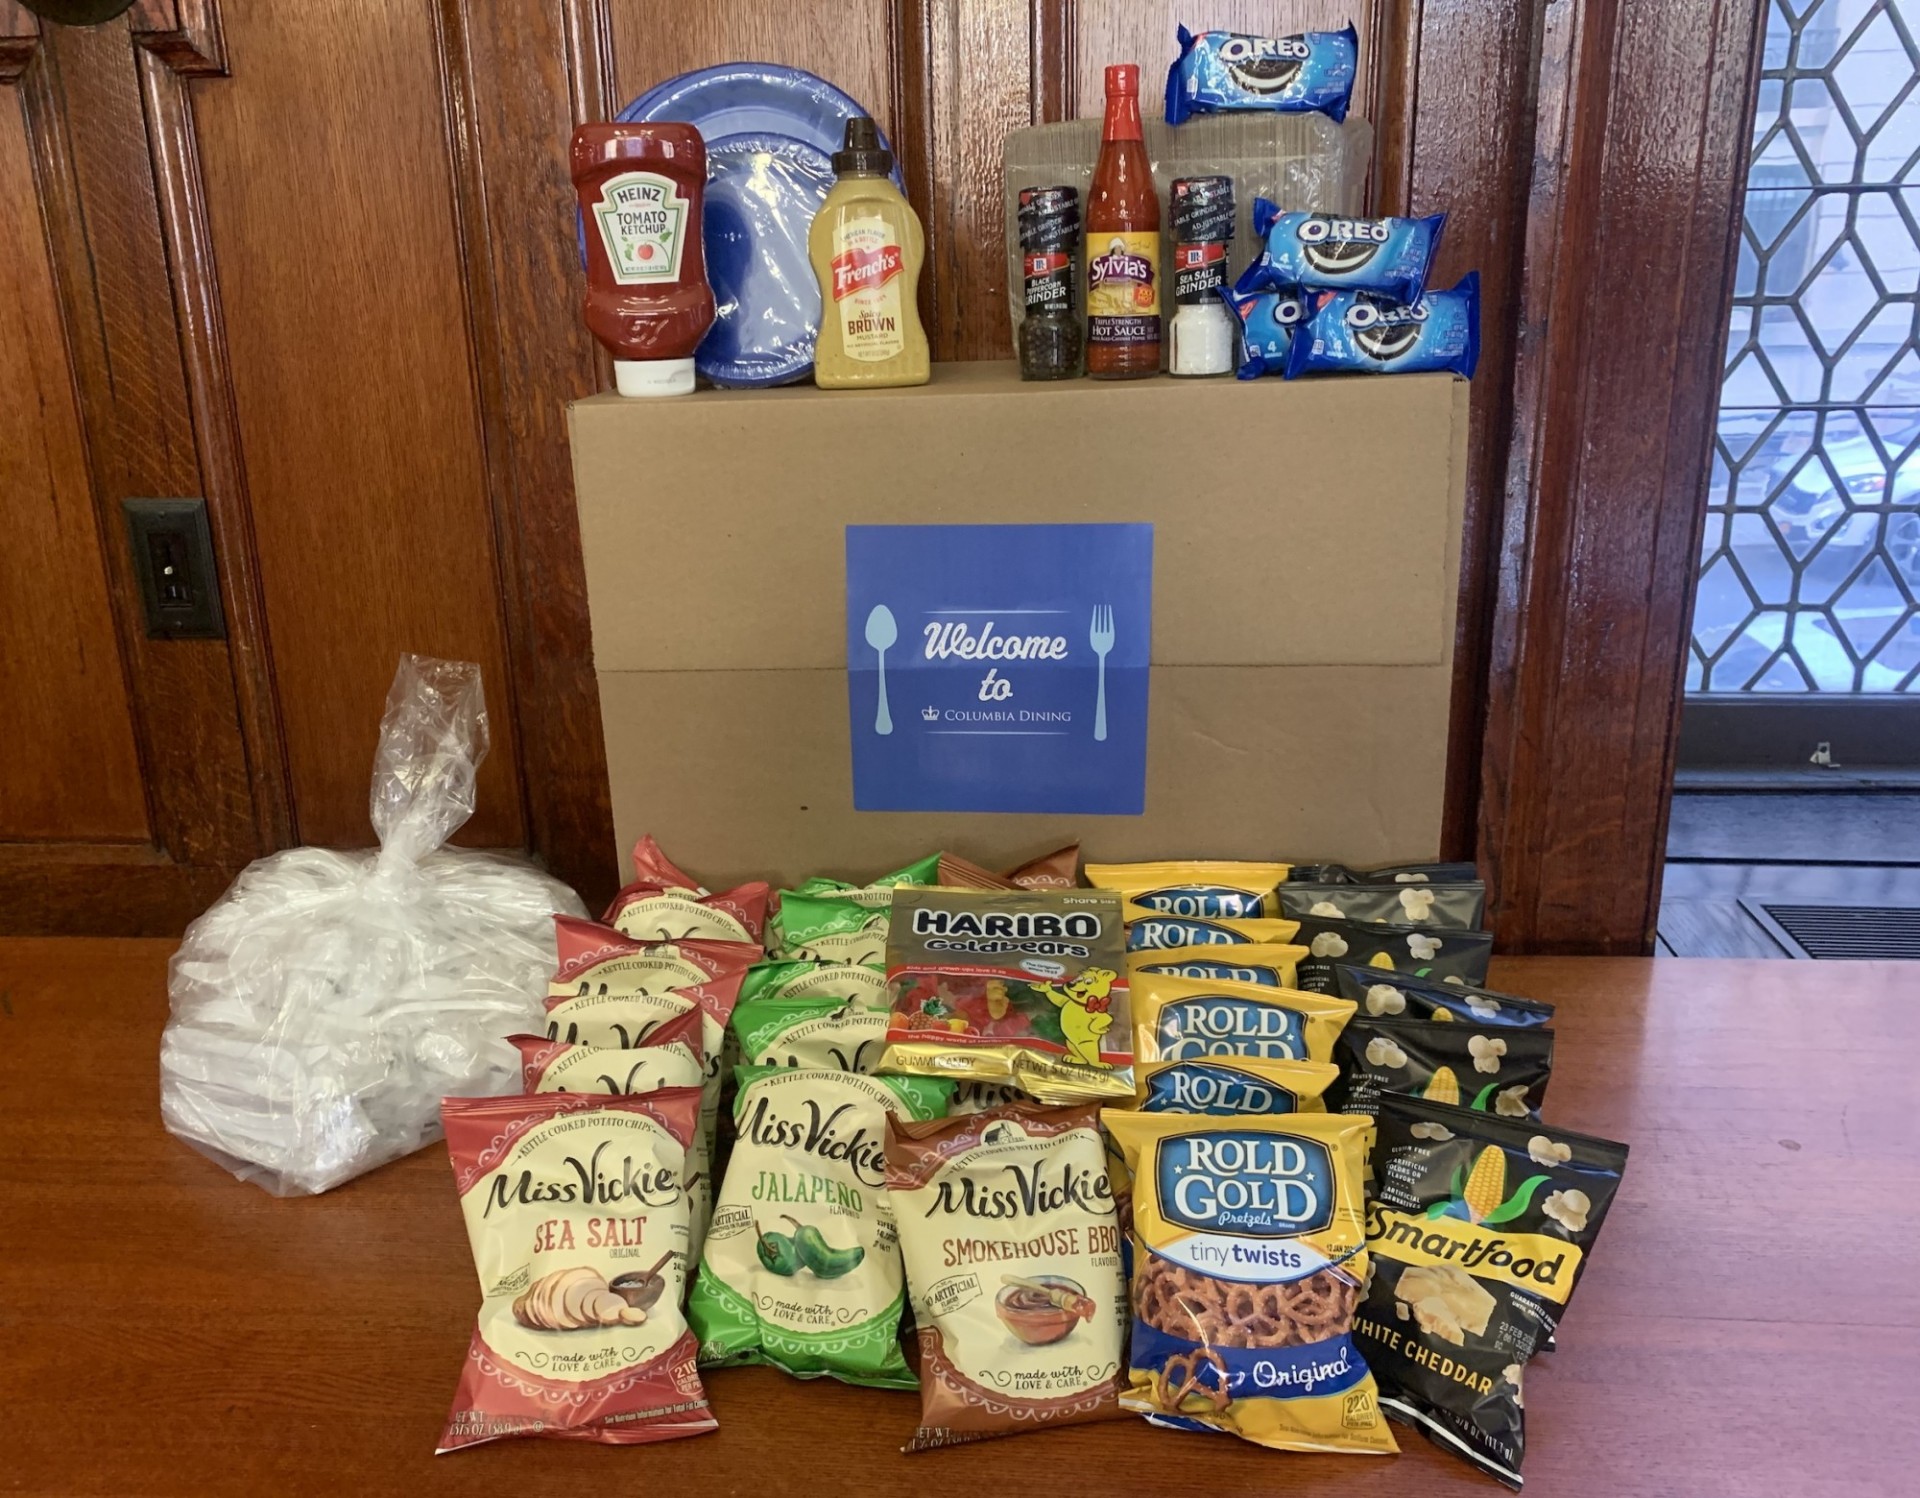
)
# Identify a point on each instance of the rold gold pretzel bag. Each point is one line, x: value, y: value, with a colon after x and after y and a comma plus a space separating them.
x: 1249, y: 1253
x: 577, y: 1211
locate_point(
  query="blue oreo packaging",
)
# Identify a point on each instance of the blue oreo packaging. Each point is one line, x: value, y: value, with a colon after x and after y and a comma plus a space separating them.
x: 1329, y: 252
x: 1355, y: 332
x: 1267, y: 321
x: 1223, y: 71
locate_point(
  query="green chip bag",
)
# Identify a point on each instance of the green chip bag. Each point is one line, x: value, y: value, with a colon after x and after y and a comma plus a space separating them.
x: 824, y: 1031
x: 801, y: 1267
x: 833, y: 928
x: 803, y: 979
x: 874, y: 895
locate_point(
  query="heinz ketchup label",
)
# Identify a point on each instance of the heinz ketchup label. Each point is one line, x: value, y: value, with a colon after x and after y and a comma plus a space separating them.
x: 642, y: 218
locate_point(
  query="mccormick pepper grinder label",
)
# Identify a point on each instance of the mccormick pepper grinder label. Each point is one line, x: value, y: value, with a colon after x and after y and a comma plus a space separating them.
x: 1123, y: 287
x: 641, y: 217
x: 867, y: 267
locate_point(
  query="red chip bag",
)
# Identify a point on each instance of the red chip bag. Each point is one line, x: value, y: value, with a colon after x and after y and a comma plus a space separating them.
x: 672, y: 1054
x: 598, y: 959
x: 665, y: 903
x: 577, y: 1212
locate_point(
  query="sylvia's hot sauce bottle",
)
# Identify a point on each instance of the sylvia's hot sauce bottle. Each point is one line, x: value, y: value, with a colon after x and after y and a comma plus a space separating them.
x: 1123, y: 242
x: 648, y: 301
x: 866, y: 246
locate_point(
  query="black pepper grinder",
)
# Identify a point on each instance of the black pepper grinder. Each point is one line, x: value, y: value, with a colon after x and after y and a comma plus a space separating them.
x: 1050, y: 337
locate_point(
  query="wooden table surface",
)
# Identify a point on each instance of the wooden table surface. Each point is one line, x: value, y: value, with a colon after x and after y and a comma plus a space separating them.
x: 1749, y: 1326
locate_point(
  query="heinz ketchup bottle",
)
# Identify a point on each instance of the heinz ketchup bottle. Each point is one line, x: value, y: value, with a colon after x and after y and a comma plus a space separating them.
x: 1123, y: 242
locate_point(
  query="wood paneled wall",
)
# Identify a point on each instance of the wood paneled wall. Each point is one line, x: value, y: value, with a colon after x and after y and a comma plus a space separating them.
x: 315, y: 263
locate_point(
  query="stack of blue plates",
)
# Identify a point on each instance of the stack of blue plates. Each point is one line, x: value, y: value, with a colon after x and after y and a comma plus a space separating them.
x: 770, y: 134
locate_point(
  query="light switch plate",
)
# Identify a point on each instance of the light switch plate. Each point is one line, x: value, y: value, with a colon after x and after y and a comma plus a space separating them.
x: 173, y: 558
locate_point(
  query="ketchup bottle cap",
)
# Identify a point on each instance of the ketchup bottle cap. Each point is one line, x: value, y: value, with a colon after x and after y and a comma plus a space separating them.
x: 1123, y: 78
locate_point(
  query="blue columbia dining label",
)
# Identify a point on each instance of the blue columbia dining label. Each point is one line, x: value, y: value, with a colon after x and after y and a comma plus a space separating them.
x: 999, y: 667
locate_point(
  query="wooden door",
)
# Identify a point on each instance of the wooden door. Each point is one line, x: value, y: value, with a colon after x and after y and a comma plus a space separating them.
x: 313, y: 262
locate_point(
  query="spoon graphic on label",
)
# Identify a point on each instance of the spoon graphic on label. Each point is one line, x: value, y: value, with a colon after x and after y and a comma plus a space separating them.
x: 882, y: 632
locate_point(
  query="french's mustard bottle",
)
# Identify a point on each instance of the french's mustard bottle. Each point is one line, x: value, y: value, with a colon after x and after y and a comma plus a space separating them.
x: 867, y: 246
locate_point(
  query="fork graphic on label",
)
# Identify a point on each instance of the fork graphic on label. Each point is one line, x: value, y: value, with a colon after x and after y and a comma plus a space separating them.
x: 1100, y: 639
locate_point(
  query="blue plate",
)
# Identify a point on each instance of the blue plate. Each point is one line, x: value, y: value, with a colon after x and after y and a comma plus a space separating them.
x: 762, y: 193
x: 752, y: 98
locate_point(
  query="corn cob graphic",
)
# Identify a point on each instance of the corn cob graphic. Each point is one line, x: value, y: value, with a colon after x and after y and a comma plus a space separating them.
x: 1444, y: 1088
x: 1486, y: 1188
x: 1380, y: 959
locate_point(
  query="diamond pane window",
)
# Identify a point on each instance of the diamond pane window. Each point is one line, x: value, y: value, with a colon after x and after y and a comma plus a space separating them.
x: 1810, y: 568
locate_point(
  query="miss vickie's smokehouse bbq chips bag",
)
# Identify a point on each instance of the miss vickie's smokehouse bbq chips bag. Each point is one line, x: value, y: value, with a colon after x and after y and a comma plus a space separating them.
x: 664, y: 903
x: 576, y: 1209
x: 1012, y: 1251
x: 802, y: 1265
x: 1479, y: 1231
x: 1249, y: 1251
x: 1001, y: 986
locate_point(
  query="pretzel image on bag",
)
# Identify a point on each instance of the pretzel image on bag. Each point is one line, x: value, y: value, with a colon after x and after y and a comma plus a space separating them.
x: 1249, y: 1253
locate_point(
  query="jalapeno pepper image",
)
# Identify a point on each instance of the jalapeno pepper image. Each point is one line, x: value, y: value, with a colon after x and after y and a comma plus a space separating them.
x: 826, y: 1261
x: 777, y: 1251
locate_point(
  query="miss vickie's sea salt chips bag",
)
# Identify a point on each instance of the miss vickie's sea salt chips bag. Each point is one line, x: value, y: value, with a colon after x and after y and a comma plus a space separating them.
x: 1012, y: 1252
x: 1249, y: 1250
x: 664, y: 903
x: 576, y: 1209
x: 596, y: 959
x: 802, y: 1265
x: 1479, y: 1231
x: 1026, y: 987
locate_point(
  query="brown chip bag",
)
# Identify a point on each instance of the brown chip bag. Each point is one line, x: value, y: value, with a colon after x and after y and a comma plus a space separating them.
x: 1012, y: 1252
x: 576, y: 1208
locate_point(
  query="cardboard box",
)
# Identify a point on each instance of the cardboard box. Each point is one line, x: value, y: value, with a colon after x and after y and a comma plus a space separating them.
x: 1306, y: 568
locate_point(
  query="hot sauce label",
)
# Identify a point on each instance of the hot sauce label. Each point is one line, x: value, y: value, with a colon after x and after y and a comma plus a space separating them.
x: 1123, y: 287
x: 868, y: 267
x: 640, y: 216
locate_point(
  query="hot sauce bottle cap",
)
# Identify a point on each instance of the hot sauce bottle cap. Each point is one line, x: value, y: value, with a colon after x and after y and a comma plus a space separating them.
x: 634, y: 377
x: 1124, y: 78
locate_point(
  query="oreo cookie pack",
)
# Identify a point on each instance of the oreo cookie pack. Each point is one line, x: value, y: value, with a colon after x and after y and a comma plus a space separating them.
x: 1357, y: 332
x: 1224, y: 71
x: 1267, y: 321
x: 1389, y: 257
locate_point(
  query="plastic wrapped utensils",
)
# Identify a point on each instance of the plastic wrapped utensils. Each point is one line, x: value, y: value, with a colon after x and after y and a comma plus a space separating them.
x: 327, y: 1001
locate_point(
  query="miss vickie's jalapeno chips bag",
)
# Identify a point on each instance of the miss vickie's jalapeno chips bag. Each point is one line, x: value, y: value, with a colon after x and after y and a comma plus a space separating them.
x: 576, y: 1208
x: 802, y: 1264
x: 1026, y: 987
x: 1249, y: 1250
x: 1479, y: 1230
